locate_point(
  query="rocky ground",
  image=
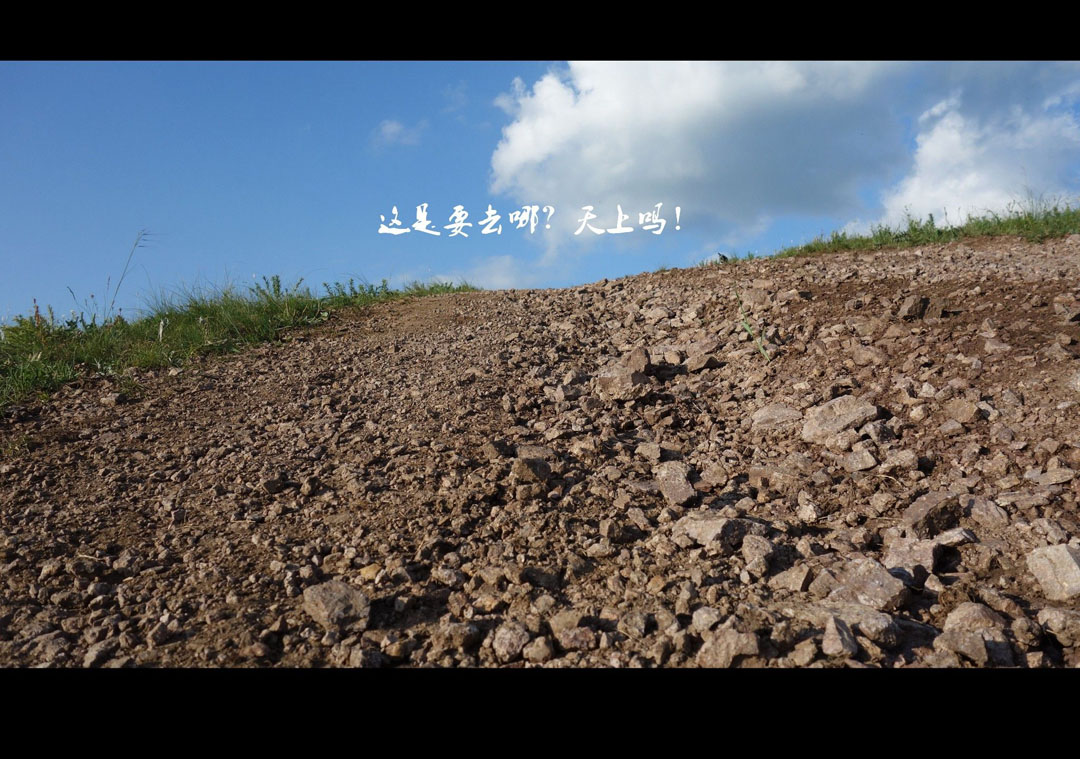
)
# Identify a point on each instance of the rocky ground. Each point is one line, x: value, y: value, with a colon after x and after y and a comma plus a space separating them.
x: 605, y: 476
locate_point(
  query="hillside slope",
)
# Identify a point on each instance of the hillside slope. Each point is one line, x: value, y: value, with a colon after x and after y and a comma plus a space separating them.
x: 608, y: 475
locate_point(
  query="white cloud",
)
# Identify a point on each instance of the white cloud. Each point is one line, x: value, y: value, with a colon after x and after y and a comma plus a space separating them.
x: 391, y: 132
x: 727, y: 142
x: 740, y: 144
x: 968, y: 166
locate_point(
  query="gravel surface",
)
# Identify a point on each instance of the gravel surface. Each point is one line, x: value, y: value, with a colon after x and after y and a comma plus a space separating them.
x: 604, y: 476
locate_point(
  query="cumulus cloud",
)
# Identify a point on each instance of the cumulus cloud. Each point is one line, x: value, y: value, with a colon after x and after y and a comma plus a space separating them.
x: 727, y: 142
x: 738, y: 145
x: 967, y: 166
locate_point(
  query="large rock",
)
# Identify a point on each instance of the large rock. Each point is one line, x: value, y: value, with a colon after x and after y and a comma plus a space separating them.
x: 911, y: 559
x: 1057, y: 568
x: 932, y: 513
x: 707, y: 528
x: 867, y: 582
x: 835, y: 416
x: 336, y: 605
x: 723, y: 647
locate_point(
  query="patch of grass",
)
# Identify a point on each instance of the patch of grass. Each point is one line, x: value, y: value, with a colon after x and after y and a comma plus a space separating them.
x: 1034, y: 220
x: 39, y: 353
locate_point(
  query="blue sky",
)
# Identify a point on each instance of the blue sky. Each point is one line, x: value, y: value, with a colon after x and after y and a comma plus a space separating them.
x: 239, y: 169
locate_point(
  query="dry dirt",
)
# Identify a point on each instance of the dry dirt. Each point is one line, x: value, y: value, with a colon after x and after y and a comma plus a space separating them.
x: 604, y: 476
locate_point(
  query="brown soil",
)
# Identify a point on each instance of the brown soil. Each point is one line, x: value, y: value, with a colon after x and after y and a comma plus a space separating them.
x: 609, y: 475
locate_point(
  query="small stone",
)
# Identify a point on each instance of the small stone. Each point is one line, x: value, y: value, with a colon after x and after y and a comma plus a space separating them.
x: 723, y: 647
x: 530, y: 470
x: 699, y: 361
x: 715, y: 475
x: 876, y: 626
x: 755, y: 547
x: 987, y: 513
x: 275, y: 484
x: 96, y: 589
x: 671, y: 478
x: 577, y: 639
x: 796, y: 579
x: 565, y: 620
x: 913, y: 307
x: 867, y: 582
x: 705, y: 619
x: 448, y: 576
x: 259, y: 650
x: 310, y: 486
x: 968, y: 644
x: 1063, y: 624
x: 961, y: 411
x: 1057, y: 568
x: 510, y: 639
x: 634, y: 624
x: 1036, y: 660
x: 711, y: 530
x: 973, y: 617
x: 775, y: 416
x: 622, y: 383
x: 100, y: 652
x: 456, y: 636
x: 1057, y: 476
x: 804, y: 653
x: 835, y: 416
x: 839, y: 640
x: 955, y: 537
x: 638, y: 361
x: 951, y: 428
x: 614, y: 531
x: 914, y: 558
x: 859, y: 461
x: 540, y: 650
x: 335, y: 605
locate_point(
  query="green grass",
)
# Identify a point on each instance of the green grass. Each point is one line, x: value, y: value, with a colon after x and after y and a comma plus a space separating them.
x: 1034, y: 220
x: 39, y: 352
